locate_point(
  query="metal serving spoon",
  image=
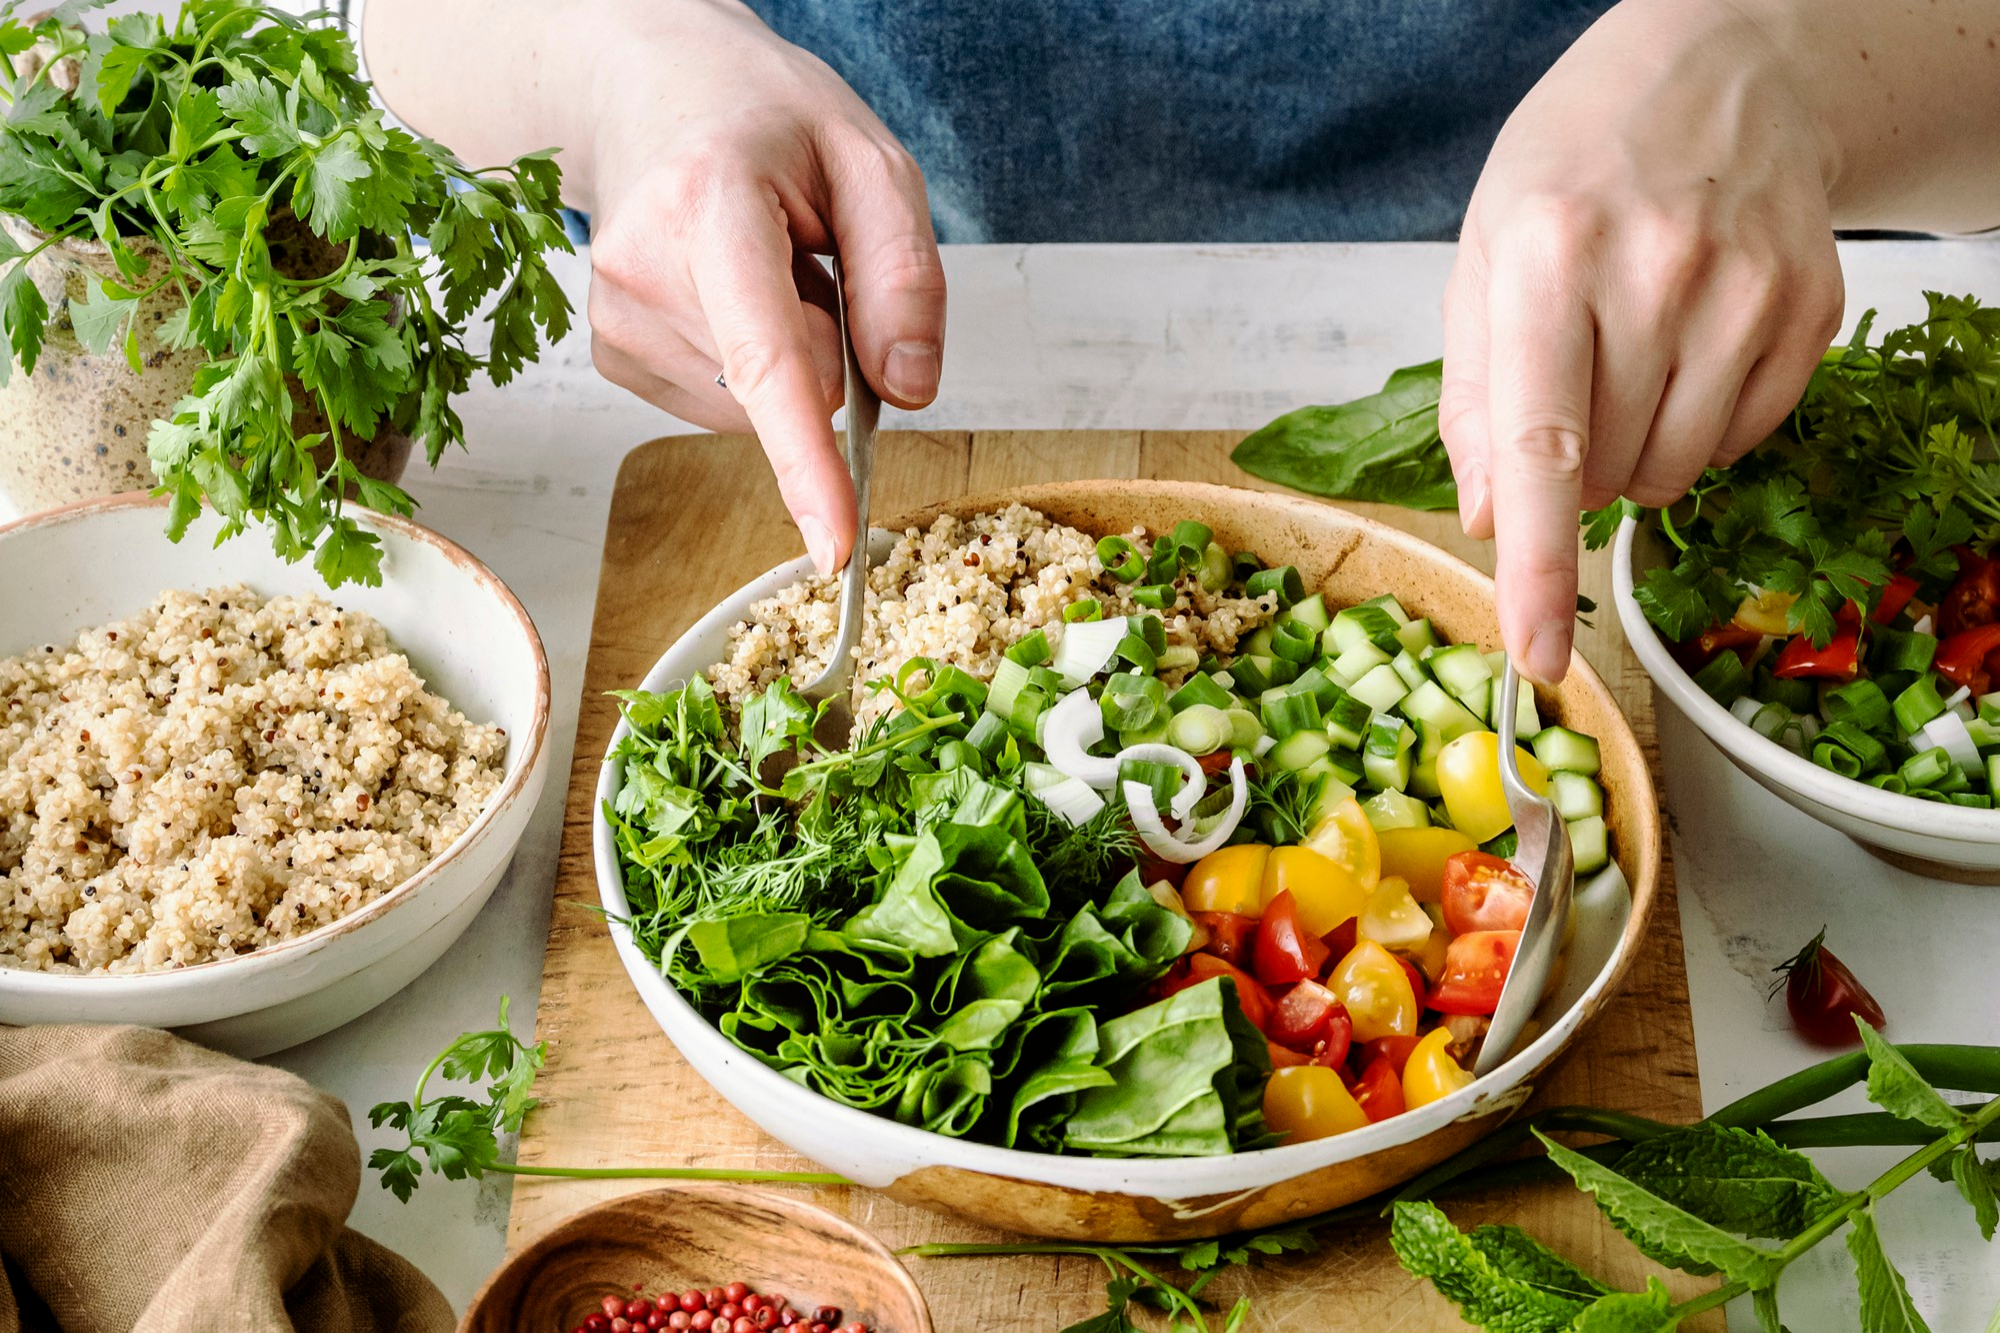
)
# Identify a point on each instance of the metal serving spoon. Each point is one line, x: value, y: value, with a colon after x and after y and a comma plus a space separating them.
x: 834, y: 687
x: 1542, y: 853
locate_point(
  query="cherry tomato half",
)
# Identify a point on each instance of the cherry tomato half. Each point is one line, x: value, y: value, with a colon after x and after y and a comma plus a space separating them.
x: 1229, y: 935
x: 1468, y: 775
x: 1227, y: 880
x: 1484, y: 892
x: 1375, y: 990
x: 1417, y: 856
x: 1253, y: 998
x: 1974, y: 598
x: 1379, y: 1091
x: 1310, y: 1102
x: 1285, y: 951
x: 1396, y: 1050
x: 1431, y: 1074
x: 1475, y: 970
x: 1303, y: 1017
x: 1325, y: 892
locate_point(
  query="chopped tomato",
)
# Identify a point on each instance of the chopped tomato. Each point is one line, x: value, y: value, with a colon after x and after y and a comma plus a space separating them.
x: 1417, y: 856
x: 1284, y: 1057
x: 1839, y: 660
x: 1339, y: 1041
x: 1229, y: 935
x: 1153, y: 870
x: 1254, y: 999
x: 1347, y: 839
x: 1285, y: 951
x: 1484, y: 892
x: 1766, y: 611
x: 1376, y: 992
x: 1431, y: 1074
x: 1303, y: 1016
x: 1379, y: 1091
x: 1737, y: 638
x: 1396, y: 1050
x: 1475, y: 970
x: 1216, y: 761
x: 1418, y: 986
x: 1895, y: 596
x: 1310, y: 1103
x: 1324, y: 892
x: 1974, y: 599
x: 1968, y: 657
x: 1343, y: 937
x: 1227, y: 880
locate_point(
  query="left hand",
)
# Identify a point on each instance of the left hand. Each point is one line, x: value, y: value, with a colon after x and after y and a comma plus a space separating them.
x: 1645, y: 281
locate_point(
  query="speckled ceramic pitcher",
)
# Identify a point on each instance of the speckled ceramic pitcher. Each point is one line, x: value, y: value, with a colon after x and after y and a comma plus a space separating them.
x: 76, y: 428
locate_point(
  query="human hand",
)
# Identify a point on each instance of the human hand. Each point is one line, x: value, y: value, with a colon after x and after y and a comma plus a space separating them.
x: 1645, y: 281
x: 726, y: 159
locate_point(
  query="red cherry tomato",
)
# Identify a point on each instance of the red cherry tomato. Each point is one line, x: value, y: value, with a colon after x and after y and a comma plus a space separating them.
x: 1974, y: 598
x: 1379, y: 1090
x: 1285, y: 952
x: 1475, y: 970
x: 1284, y: 1057
x: 1340, y: 941
x: 1152, y: 869
x: 1304, y: 1019
x: 1396, y: 1050
x: 1215, y: 761
x: 1254, y: 999
x: 1229, y: 935
x: 1418, y: 986
x: 1825, y: 998
x: 1484, y: 892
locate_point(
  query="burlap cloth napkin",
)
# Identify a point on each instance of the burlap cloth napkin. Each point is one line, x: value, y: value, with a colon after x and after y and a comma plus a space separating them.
x: 150, y: 1186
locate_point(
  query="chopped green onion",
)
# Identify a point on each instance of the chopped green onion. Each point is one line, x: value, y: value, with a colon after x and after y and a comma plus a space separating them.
x: 1163, y: 779
x: 1295, y: 642
x: 1244, y: 564
x: 1830, y: 756
x: 1155, y: 631
x: 1724, y: 678
x: 1916, y: 706
x: 1215, y: 570
x: 1088, y: 608
x: 1030, y: 649
x: 1163, y: 564
x: 1133, y: 702
x: 1290, y: 709
x: 1859, y: 703
x: 1191, y: 537
x: 1867, y: 751
x: 1283, y: 582
x: 1252, y: 674
x: 1159, y: 596
x: 1134, y: 649
x: 1889, y: 782
x: 1047, y: 681
x: 1200, y: 729
x: 1200, y: 689
x: 1925, y: 769
x: 957, y: 754
x: 1009, y: 679
x: 1797, y: 695
x: 1901, y: 650
x: 1121, y: 560
x: 1971, y: 799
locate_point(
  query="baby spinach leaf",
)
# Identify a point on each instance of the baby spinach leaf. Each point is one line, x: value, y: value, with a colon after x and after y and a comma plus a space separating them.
x: 1736, y: 1179
x: 1383, y: 447
x: 1669, y: 1233
x: 1896, y: 1086
x: 739, y: 946
x: 1175, y: 1089
x: 1886, y: 1306
x: 1429, y: 1246
x: 1066, y: 1044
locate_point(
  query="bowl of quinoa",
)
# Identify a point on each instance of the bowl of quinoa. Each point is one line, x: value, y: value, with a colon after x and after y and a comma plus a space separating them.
x: 233, y: 803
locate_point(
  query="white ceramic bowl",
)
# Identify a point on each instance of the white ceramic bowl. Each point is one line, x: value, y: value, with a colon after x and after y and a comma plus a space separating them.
x: 1134, y: 1199
x: 100, y: 560
x: 1928, y: 837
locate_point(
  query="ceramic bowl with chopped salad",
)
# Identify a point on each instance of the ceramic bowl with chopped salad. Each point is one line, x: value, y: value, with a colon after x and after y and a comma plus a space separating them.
x: 1142, y: 849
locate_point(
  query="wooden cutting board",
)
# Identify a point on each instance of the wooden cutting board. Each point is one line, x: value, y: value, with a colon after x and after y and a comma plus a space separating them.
x: 694, y: 517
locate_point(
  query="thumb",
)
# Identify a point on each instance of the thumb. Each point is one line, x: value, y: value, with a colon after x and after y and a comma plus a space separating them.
x: 895, y: 282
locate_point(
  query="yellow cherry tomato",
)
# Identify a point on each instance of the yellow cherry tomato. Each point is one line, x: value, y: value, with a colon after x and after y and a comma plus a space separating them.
x: 1392, y: 918
x: 1417, y: 856
x: 1376, y: 992
x: 1429, y: 956
x: 1347, y: 839
x: 1227, y: 881
x: 1430, y: 1074
x: 1306, y: 1102
x: 1469, y: 780
x: 1767, y: 612
x: 1326, y: 892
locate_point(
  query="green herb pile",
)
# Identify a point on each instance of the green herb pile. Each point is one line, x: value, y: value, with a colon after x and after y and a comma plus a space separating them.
x: 900, y: 929
x: 210, y: 139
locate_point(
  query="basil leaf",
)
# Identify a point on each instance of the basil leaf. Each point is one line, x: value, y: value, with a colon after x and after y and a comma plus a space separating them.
x: 1384, y: 447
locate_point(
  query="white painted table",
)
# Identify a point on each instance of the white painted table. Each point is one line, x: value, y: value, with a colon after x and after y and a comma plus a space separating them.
x: 1196, y: 337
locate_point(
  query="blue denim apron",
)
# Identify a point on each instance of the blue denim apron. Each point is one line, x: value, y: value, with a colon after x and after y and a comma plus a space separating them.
x: 1191, y: 120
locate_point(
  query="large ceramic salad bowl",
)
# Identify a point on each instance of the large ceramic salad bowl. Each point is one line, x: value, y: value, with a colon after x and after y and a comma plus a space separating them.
x: 1349, y: 558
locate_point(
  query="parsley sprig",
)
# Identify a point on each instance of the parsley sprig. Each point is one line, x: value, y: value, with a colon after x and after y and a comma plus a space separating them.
x: 192, y: 151
x: 1880, y: 467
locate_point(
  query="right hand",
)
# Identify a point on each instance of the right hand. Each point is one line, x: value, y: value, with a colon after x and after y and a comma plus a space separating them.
x: 724, y: 161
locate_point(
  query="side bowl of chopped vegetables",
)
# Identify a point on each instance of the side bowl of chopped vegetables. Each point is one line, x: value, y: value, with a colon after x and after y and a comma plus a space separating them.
x: 1929, y: 834
x: 1261, y: 1015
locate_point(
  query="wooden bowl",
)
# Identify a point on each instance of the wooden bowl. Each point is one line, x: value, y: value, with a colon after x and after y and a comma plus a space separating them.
x: 697, y: 1236
x: 1350, y: 558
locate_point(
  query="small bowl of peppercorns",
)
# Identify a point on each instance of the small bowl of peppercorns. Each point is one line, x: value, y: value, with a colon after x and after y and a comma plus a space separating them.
x: 701, y: 1259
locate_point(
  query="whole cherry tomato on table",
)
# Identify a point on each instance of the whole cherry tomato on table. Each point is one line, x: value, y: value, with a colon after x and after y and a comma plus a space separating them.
x: 1824, y: 997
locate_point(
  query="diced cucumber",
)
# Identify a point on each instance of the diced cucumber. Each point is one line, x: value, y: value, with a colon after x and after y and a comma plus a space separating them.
x: 1416, y: 637
x: 1333, y: 792
x: 1423, y: 766
x: 1575, y: 795
x: 1479, y: 699
x: 1389, y: 603
x: 1430, y: 705
x: 1251, y: 675
x: 1300, y: 750
x: 1199, y: 690
x: 1496, y: 663
x: 1364, y: 624
x: 1288, y: 709
x: 1385, y: 754
x: 1259, y: 642
x: 1461, y: 668
x: 1568, y: 751
x: 1381, y: 689
x: 1388, y: 810
x: 1315, y: 680
x: 1357, y: 662
x: 1588, y: 844
x: 1281, y: 672
x: 1410, y: 669
x: 1989, y: 707
x: 1347, y: 722
x: 1993, y: 772
x: 1311, y: 613
x: 1527, y: 722
x: 1346, y: 765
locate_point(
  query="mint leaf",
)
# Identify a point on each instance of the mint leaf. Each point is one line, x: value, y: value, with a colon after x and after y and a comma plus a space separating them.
x: 1974, y: 1179
x: 1885, y: 1302
x: 1519, y: 1256
x: 1896, y: 1086
x: 1735, y: 1179
x: 1648, y: 1311
x: 1670, y: 1233
x: 1430, y: 1247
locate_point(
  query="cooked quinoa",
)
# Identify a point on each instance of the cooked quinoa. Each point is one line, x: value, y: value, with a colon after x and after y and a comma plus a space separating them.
x: 961, y: 592
x: 219, y: 773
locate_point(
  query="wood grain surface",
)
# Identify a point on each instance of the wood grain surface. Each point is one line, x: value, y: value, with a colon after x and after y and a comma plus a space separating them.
x: 693, y: 518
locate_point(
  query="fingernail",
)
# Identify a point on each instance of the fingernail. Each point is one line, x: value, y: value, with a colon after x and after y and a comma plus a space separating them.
x: 819, y: 543
x: 1471, y: 494
x: 911, y: 371
x: 1547, y: 658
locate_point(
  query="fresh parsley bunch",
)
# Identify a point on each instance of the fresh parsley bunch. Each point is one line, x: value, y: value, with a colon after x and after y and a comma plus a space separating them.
x: 209, y: 138
x: 1884, y: 450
